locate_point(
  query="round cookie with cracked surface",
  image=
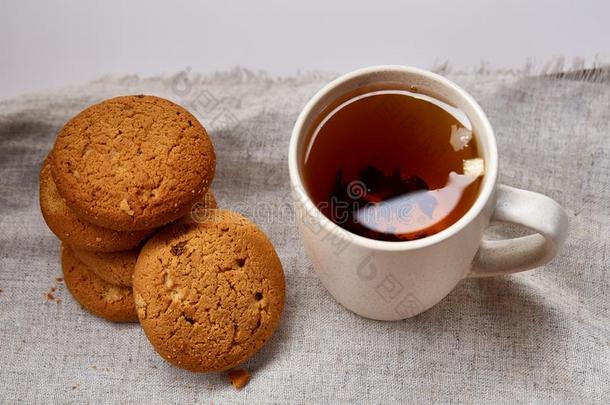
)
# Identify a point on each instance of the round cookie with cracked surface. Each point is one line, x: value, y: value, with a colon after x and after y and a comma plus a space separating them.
x: 209, y: 294
x: 69, y: 228
x: 112, y: 302
x: 132, y: 162
x: 114, y: 268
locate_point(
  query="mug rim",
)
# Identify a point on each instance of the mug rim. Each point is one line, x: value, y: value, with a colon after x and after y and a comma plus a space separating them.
x: 487, y: 186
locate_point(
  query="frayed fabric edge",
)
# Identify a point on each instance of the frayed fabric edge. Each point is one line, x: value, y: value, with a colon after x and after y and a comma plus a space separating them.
x: 555, y: 68
x: 578, y: 69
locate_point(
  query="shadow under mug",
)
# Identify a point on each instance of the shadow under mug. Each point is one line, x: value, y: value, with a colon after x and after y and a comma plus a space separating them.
x: 396, y: 280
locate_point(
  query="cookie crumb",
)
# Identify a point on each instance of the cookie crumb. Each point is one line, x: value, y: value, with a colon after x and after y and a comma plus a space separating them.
x: 53, y: 290
x: 124, y: 206
x: 113, y: 294
x: 239, y: 377
x: 74, y: 387
x: 1, y: 290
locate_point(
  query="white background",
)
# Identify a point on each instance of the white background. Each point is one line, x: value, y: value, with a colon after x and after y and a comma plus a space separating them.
x: 45, y: 44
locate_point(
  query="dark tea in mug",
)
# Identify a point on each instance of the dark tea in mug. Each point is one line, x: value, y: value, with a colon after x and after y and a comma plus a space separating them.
x: 392, y: 165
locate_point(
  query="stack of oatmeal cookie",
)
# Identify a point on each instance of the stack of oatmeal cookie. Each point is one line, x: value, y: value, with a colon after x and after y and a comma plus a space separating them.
x: 126, y: 188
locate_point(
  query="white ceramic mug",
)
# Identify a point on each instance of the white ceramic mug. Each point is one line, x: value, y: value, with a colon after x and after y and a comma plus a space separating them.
x: 396, y: 280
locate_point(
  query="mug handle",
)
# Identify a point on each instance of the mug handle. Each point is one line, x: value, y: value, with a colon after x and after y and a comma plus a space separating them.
x: 534, y: 211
